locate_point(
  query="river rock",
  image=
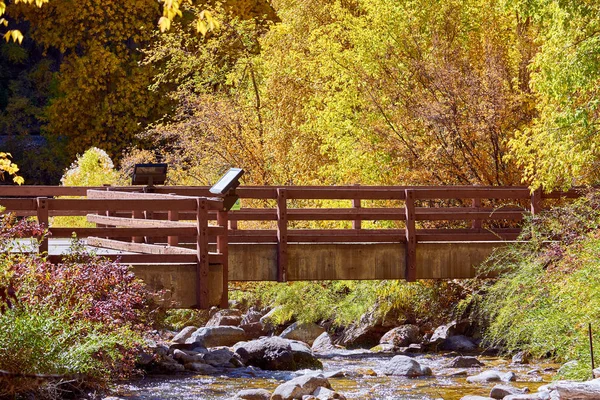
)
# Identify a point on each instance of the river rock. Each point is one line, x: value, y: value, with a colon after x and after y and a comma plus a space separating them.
x: 492, y: 376
x: 267, y: 319
x: 405, y: 366
x: 385, y: 348
x: 521, y: 357
x: 323, y: 344
x: 213, y: 336
x: 201, y: 368
x: 402, y: 336
x: 304, y: 332
x: 472, y: 397
x: 458, y: 343
x: 275, y: 353
x: 227, y: 317
x: 322, y: 393
x: 443, y: 332
x: 464, y: 362
x: 576, y: 390
x: 221, y: 357
x: 531, y: 396
x: 501, y: 391
x: 184, y: 334
x: 185, y: 357
x: 300, y: 386
x: 370, y: 329
x: 169, y: 366
x: 253, y: 394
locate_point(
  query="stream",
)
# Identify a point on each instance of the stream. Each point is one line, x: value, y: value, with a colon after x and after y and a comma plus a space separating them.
x: 359, y: 380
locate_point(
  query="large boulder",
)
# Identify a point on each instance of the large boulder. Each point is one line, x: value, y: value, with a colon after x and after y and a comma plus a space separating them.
x: 275, y: 353
x: 369, y: 330
x: 402, y: 336
x: 304, y: 332
x: 213, y: 336
x: 300, y: 386
x: 443, y: 332
x: 405, y: 366
x: 323, y: 344
x: 227, y: 317
x: 576, y: 390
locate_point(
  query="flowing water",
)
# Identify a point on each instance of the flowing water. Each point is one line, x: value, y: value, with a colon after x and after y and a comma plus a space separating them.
x: 359, y: 380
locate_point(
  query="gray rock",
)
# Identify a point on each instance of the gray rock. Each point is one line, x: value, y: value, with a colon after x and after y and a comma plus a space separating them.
x: 300, y: 386
x: 567, y: 367
x: 371, y: 327
x: 306, y: 332
x: 214, y: 336
x: 323, y: 344
x: 185, y: 357
x: 251, y: 317
x: 227, y: 317
x: 322, y: 393
x: 465, y: 362
x: 576, y: 390
x: 402, y: 336
x: 471, y: 397
x: 170, y: 367
x: 219, y: 357
x: 443, y: 332
x: 275, y: 353
x: 385, y: 348
x: 458, y: 343
x: 405, y: 366
x: 253, y: 394
x: 492, y: 376
x: 185, y: 333
x: 201, y: 368
x: 532, y: 396
x: 501, y: 391
x: 521, y: 357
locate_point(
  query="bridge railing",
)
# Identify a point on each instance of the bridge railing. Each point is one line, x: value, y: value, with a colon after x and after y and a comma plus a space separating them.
x: 125, y: 222
x: 413, y: 208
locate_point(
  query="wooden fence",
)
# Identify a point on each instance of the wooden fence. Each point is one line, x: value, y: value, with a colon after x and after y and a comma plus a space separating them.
x: 486, y: 214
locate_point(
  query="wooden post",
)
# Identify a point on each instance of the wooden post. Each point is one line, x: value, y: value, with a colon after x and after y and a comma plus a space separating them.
x: 42, y: 217
x: 411, y: 237
x: 137, y: 214
x: 222, y: 247
x: 202, y: 254
x: 173, y: 240
x: 356, y: 204
x: 476, y: 224
x: 282, y: 255
x: 536, y: 201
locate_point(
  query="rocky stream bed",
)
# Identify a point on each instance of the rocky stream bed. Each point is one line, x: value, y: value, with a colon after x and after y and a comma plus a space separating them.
x: 242, y: 356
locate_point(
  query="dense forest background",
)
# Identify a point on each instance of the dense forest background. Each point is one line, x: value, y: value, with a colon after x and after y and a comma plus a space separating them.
x: 494, y: 92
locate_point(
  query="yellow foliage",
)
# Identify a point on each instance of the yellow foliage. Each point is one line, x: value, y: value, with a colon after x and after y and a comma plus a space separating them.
x: 7, y: 166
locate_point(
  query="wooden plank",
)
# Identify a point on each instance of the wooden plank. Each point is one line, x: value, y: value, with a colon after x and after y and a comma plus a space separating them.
x: 137, y: 223
x: 93, y: 205
x: 472, y: 193
x: 121, y: 232
x: 347, y: 214
x: 19, y: 204
x: 213, y: 258
x: 282, y: 219
x: 137, y: 247
x: 411, y: 237
x: 333, y: 193
x: 467, y: 213
x: 42, y: 217
x: 114, y: 194
x: 202, y: 298
x: 222, y: 247
x: 466, y: 237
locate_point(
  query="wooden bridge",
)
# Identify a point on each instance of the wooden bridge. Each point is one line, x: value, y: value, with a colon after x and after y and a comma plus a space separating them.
x: 182, y: 239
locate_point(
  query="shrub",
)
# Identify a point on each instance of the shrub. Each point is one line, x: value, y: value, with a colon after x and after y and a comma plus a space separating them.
x: 83, y: 317
x: 549, y: 289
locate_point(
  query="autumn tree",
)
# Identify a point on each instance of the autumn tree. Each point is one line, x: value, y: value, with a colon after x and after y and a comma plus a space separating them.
x: 561, y: 147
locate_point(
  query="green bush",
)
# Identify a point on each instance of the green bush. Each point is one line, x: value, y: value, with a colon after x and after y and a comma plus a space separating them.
x: 549, y: 289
